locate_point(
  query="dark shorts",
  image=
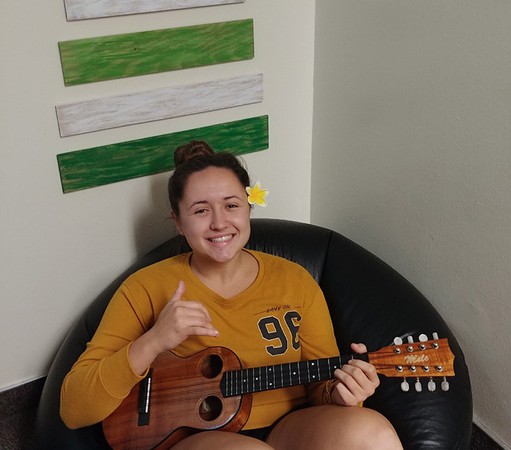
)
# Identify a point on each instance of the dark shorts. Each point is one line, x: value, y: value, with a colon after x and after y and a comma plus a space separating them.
x: 258, y: 433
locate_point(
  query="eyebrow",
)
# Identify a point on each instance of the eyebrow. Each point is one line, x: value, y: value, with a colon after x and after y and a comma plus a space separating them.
x: 200, y: 202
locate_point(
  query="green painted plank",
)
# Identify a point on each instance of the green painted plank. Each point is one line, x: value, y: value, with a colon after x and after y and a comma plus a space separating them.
x: 97, y: 166
x: 132, y: 54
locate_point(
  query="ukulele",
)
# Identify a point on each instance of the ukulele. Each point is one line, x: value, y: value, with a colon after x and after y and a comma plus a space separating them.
x: 210, y: 390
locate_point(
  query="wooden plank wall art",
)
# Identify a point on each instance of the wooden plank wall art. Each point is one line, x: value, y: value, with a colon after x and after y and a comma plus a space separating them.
x: 93, y: 9
x: 107, y: 164
x: 112, y: 57
x: 158, y: 104
x: 89, y: 60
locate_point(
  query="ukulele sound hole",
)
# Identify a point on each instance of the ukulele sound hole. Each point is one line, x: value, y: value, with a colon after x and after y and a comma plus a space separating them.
x: 210, y: 408
x: 211, y: 366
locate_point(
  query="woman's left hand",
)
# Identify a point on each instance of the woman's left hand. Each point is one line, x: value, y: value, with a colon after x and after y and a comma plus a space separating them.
x: 357, y: 380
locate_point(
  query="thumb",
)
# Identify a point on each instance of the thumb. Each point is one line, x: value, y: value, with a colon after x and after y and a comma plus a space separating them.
x: 178, y: 293
x: 359, y: 348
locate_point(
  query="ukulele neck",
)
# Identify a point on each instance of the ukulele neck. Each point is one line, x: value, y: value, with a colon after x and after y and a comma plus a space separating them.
x: 247, y: 381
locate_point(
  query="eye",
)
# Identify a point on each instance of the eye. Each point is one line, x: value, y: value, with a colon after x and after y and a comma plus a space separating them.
x: 232, y: 206
x: 200, y: 211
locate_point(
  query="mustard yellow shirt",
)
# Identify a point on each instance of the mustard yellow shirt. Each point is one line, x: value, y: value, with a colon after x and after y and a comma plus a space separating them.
x: 282, y: 317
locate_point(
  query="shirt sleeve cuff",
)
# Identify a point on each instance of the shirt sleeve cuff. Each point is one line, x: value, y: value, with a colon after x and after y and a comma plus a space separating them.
x: 117, y: 375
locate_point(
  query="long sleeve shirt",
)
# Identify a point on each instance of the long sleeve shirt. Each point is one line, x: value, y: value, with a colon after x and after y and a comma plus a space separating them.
x: 281, y: 317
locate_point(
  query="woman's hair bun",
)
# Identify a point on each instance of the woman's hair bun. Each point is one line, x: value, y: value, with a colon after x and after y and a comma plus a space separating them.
x: 193, y: 149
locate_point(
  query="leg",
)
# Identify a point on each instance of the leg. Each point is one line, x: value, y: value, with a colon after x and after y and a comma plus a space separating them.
x: 220, y: 440
x: 334, y: 428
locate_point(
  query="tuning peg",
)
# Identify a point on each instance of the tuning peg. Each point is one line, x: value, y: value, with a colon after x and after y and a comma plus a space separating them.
x: 445, y: 385
x: 422, y: 338
x: 405, y: 387
x: 418, y: 386
x: 397, y: 342
x: 435, y: 337
x: 410, y: 341
x: 431, y: 385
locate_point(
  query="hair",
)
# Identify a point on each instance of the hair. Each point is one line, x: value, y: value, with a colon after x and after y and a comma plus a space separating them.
x: 196, y: 156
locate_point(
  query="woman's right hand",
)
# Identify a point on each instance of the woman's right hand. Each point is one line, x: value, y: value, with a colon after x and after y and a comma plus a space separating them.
x: 178, y: 320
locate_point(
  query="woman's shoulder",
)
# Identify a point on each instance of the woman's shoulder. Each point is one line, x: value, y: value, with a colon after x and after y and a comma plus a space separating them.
x: 166, y: 266
x: 275, y: 262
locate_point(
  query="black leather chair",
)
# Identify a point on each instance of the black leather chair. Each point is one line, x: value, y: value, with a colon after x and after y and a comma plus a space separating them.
x: 369, y: 302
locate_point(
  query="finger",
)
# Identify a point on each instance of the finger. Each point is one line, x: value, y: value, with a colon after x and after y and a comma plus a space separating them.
x: 346, y: 391
x: 355, y: 382
x: 191, y: 317
x: 178, y: 293
x: 200, y: 330
x: 194, y: 322
x: 189, y: 313
x: 190, y: 306
x: 359, y: 383
x: 368, y: 370
x: 343, y: 395
x: 359, y: 348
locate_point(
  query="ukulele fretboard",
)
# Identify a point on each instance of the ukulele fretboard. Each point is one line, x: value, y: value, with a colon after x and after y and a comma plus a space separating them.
x: 246, y: 381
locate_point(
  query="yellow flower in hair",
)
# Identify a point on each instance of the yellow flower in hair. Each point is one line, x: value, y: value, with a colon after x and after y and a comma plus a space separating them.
x: 256, y: 195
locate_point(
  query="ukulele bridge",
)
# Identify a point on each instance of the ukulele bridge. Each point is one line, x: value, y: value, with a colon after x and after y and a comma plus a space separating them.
x: 144, y: 399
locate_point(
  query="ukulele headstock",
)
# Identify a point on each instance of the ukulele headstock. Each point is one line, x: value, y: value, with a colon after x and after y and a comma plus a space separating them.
x: 427, y: 358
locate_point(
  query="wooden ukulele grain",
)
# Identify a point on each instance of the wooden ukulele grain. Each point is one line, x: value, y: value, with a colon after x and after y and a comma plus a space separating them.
x: 185, y: 397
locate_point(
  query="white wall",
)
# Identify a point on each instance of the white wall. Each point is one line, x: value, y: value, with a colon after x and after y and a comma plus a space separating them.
x: 412, y: 159
x: 59, y: 251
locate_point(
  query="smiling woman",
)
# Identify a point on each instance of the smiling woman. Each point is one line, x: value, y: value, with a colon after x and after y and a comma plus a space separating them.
x: 265, y: 309
x: 214, y: 217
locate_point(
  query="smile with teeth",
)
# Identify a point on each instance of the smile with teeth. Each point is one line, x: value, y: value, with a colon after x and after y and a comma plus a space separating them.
x: 221, y: 239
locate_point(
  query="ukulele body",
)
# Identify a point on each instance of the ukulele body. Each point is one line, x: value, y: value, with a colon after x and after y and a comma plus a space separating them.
x: 185, y: 397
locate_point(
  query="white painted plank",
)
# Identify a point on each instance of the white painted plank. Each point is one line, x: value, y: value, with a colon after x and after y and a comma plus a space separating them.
x: 158, y: 104
x: 92, y: 9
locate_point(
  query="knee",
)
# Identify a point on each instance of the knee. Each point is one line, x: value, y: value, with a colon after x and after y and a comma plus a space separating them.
x: 378, y: 434
x: 336, y: 427
x: 224, y: 440
x: 363, y: 429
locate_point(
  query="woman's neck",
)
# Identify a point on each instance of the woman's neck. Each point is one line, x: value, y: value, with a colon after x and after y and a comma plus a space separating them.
x: 227, y: 279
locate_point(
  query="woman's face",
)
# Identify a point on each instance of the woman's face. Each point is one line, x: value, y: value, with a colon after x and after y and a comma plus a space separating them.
x: 214, y: 215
